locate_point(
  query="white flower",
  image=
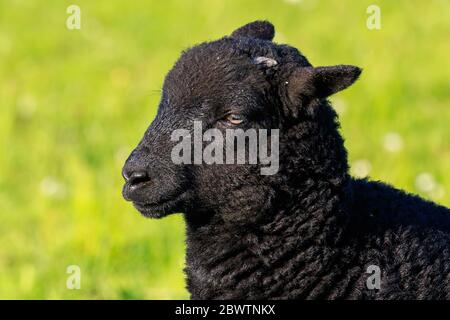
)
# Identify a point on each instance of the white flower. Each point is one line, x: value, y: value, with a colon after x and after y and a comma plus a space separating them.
x: 425, y: 182
x: 392, y: 142
x: 361, y: 168
x: 52, y: 188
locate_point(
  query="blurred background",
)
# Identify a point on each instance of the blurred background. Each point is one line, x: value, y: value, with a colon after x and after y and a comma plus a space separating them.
x: 74, y: 103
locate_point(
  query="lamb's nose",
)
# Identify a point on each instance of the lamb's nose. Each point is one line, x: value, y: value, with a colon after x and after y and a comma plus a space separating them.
x: 136, y: 178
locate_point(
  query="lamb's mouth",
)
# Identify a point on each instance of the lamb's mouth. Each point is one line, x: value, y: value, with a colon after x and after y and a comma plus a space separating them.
x: 161, y: 208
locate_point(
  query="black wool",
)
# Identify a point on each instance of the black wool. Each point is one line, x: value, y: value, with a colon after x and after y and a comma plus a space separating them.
x: 309, y: 231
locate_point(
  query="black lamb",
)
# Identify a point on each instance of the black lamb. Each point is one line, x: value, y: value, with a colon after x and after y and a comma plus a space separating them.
x: 308, y: 231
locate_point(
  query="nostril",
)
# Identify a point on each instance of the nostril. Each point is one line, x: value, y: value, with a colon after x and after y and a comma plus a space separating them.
x: 125, y: 174
x: 138, y: 177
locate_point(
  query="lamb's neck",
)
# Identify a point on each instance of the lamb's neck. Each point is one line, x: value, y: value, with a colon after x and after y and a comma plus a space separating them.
x: 316, y: 218
x: 225, y: 260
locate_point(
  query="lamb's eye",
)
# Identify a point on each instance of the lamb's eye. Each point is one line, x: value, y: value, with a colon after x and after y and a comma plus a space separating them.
x: 234, y: 119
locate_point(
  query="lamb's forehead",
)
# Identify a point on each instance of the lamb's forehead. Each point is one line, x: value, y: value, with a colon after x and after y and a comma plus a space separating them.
x: 217, y: 60
x: 212, y: 66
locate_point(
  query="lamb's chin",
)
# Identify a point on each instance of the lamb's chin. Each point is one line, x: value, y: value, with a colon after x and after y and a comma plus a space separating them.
x: 158, y: 210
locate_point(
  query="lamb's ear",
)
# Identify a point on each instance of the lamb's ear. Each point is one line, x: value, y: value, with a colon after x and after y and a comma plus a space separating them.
x: 256, y: 29
x: 309, y: 83
x: 321, y: 82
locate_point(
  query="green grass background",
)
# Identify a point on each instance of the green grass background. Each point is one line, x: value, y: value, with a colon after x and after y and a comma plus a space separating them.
x: 74, y: 103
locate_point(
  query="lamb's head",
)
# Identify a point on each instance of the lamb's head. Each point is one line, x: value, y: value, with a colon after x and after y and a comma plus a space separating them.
x: 243, y: 81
